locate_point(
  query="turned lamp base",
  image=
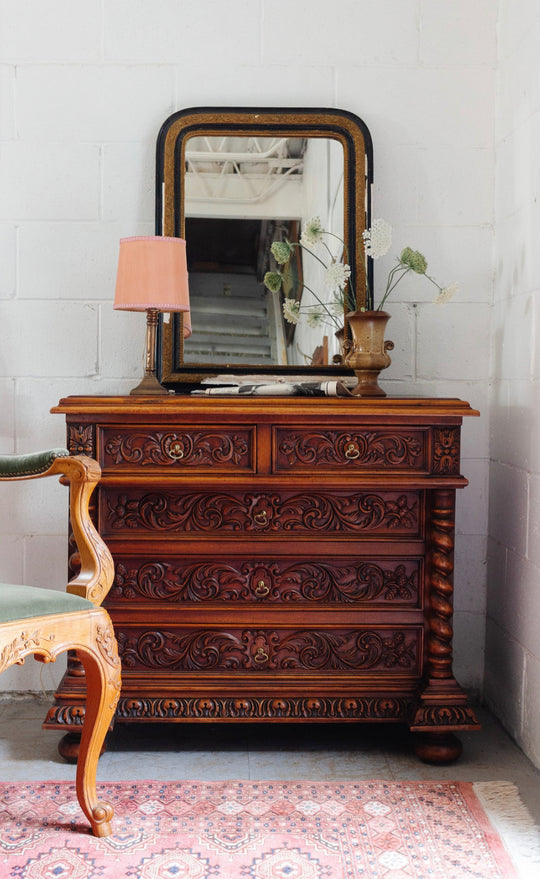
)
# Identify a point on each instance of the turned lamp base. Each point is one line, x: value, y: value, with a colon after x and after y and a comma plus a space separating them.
x: 149, y: 386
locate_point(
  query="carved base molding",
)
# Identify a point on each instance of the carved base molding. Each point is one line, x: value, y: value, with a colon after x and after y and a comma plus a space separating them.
x: 255, y: 708
x: 242, y: 708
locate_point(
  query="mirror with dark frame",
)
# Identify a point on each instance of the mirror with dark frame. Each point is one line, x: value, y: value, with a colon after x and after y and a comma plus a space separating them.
x: 232, y: 182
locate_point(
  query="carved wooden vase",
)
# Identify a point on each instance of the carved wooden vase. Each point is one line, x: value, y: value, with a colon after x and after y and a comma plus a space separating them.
x: 366, y: 353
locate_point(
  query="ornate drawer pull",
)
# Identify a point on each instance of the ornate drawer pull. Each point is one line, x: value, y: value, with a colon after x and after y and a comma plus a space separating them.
x: 176, y: 451
x: 261, y: 518
x: 261, y: 588
x: 260, y: 655
x: 352, y: 452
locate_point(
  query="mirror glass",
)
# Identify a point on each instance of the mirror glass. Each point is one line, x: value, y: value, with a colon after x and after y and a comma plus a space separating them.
x: 242, y: 194
x: 232, y: 193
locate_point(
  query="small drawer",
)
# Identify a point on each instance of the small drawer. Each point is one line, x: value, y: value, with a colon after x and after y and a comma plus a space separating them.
x: 284, y: 651
x: 372, y: 582
x: 229, y: 513
x: 197, y: 449
x: 302, y: 449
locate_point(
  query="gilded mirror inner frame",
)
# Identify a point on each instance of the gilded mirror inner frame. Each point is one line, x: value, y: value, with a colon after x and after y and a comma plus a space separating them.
x: 339, y: 125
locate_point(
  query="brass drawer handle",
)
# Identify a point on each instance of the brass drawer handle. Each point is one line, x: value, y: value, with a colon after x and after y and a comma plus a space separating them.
x: 260, y: 655
x: 352, y: 452
x: 176, y: 451
x: 261, y: 518
x: 261, y: 589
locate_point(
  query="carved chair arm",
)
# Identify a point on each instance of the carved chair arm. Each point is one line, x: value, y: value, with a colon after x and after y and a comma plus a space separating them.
x: 82, y: 473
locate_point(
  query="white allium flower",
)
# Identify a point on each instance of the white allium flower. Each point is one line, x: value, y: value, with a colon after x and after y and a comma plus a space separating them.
x: 291, y: 310
x: 378, y: 239
x: 314, y: 318
x: 446, y: 293
x: 313, y: 232
x: 337, y: 275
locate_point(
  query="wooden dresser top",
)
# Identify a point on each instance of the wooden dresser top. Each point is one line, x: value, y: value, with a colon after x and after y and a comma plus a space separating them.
x: 411, y: 409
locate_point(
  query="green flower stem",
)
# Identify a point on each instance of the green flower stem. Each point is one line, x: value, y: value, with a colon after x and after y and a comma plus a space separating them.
x: 369, y: 295
x: 433, y: 281
x: 303, y: 246
x: 350, y: 302
x: 391, y: 284
x: 321, y: 303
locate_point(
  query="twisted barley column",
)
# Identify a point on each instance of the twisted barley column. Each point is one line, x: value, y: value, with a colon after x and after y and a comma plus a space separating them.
x: 441, y: 553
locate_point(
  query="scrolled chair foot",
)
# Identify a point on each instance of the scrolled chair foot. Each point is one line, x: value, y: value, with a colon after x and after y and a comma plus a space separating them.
x: 100, y: 819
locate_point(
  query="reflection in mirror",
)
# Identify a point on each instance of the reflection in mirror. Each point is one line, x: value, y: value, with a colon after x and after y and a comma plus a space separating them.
x: 242, y: 194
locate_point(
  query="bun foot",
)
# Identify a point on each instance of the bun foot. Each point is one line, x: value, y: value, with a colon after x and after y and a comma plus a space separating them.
x: 438, y: 748
x: 69, y: 747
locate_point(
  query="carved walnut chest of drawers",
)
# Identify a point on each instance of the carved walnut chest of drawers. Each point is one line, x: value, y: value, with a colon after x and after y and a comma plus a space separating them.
x: 278, y: 559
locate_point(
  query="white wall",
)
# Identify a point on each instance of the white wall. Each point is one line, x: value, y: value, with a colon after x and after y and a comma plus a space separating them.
x: 84, y: 89
x: 513, y: 643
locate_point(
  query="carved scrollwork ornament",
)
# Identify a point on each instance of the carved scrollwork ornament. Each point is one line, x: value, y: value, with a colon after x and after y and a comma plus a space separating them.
x: 106, y: 642
x: 24, y: 644
x: 205, y: 650
x: 308, y: 512
x: 373, y: 448
x: 191, y: 448
x: 279, y: 581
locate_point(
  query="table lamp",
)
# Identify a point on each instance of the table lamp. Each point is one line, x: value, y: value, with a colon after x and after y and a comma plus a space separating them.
x: 152, y: 276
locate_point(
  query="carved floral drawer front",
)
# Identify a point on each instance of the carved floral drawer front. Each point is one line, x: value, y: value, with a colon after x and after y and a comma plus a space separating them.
x: 270, y: 650
x: 393, y: 513
x: 193, y: 448
x: 296, y: 449
x: 390, y: 582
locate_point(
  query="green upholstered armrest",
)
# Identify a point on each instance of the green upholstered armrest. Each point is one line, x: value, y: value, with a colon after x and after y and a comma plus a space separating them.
x: 24, y: 602
x: 19, y: 466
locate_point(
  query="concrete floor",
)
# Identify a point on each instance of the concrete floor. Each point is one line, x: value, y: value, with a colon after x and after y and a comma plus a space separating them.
x: 270, y: 751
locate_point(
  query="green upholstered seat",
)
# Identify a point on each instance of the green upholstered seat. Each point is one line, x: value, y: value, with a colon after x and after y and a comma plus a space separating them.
x: 12, y: 466
x: 25, y: 602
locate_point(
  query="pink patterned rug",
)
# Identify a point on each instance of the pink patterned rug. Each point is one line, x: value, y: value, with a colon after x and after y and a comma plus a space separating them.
x: 253, y: 829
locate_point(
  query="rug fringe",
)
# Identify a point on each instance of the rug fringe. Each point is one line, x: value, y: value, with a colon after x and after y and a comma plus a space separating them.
x: 514, y: 824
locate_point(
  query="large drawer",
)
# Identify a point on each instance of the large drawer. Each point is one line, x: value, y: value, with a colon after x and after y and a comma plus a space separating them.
x: 230, y: 513
x: 388, y: 583
x: 283, y: 650
x: 190, y: 447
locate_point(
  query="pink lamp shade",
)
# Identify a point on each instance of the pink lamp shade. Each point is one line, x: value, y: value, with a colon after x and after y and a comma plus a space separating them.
x: 152, y: 274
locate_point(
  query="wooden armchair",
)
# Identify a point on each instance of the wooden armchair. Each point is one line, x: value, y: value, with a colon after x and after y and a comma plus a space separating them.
x: 45, y: 621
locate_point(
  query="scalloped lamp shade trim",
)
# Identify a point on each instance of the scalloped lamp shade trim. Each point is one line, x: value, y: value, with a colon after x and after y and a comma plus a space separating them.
x: 152, y: 274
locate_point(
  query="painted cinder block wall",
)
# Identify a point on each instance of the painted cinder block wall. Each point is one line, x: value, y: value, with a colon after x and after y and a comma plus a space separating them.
x: 84, y: 89
x: 512, y: 681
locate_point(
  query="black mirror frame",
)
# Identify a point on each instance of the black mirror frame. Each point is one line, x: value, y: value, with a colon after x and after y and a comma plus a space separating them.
x: 339, y: 125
